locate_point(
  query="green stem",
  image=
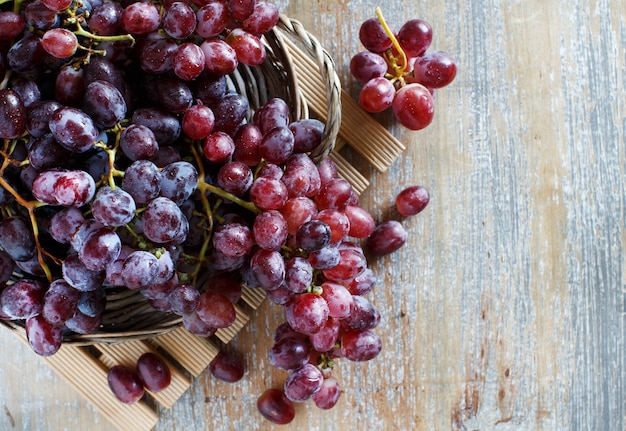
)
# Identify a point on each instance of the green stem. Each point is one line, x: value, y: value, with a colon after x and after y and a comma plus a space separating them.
x: 80, y: 31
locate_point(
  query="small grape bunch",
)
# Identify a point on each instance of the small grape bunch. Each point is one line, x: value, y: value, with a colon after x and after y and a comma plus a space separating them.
x: 399, y: 72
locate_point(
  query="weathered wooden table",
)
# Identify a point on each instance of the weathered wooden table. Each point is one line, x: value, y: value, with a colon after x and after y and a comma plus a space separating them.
x: 505, y: 309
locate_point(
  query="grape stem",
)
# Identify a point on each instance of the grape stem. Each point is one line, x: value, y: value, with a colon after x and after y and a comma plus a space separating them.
x: 30, y: 206
x: 398, y: 67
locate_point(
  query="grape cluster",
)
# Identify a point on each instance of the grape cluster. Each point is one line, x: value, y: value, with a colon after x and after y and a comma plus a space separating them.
x: 122, y: 142
x: 398, y: 71
x: 129, y: 163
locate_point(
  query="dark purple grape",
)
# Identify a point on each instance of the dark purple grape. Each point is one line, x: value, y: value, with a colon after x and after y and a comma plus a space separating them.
x: 138, y: 142
x: 113, y: 207
x: 106, y: 19
x: 13, y: 112
x: 230, y: 111
x: 179, y: 20
x: 17, y: 239
x: 165, y: 126
x: 303, y: 383
x: 164, y: 222
x: 59, y: 302
x: 73, y: 129
x: 276, y: 407
x: 45, y: 153
x: 142, y: 180
x: 227, y: 367
x: 104, y: 103
x: 313, y: 235
x: 290, y: 353
x: 388, y: 237
x: 44, y: 338
x: 153, y: 372
x: 125, y: 384
x: 79, y: 276
x: 178, y: 181
x: 22, y: 299
x: 39, y: 116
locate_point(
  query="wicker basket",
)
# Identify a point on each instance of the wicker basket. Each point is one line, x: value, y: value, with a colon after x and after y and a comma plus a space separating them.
x: 128, y: 315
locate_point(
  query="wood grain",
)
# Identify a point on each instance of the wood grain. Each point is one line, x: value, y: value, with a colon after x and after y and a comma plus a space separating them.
x: 506, y: 308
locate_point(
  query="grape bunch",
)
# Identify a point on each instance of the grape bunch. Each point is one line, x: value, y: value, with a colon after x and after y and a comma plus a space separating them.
x: 398, y: 71
x: 117, y: 121
x: 129, y: 164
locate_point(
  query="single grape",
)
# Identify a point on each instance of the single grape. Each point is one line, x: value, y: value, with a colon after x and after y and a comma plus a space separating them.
x: 212, y: 19
x: 373, y: 36
x: 11, y: 25
x: 59, y: 302
x: 198, y: 122
x: 142, y: 180
x: 125, y: 384
x: 435, y: 69
x: 248, y: 47
x: 106, y: 19
x: 388, y: 237
x: 303, y: 383
x: 367, y: 65
x: 270, y: 230
x: 73, y: 129
x: 360, y: 345
x: 227, y: 367
x: 307, y: 313
x: 233, y: 239
x: 276, y: 407
x: 263, y: 18
x: 218, y: 147
x: 141, y: 18
x: 325, y: 339
x: 338, y: 298
x: 22, y: 299
x: 77, y: 275
x: 113, y: 207
x: 220, y: 57
x: 104, y: 103
x: 363, y: 314
x: 328, y: 395
x: 153, y: 372
x: 290, y: 353
x: 179, y: 20
x: 412, y: 200
x: 59, y: 42
x: 178, y: 181
x: 377, y: 94
x: 17, y: 239
x: 164, y: 222
x: 43, y: 337
x: 139, y: 269
x: 12, y: 109
x: 188, y: 61
x: 298, y: 274
x: 414, y: 106
x: 216, y: 310
x: 415, y: 37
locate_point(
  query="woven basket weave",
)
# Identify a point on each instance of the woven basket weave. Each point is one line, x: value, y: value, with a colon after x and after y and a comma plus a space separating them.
x: 128, y: 314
